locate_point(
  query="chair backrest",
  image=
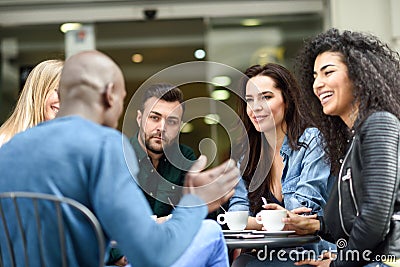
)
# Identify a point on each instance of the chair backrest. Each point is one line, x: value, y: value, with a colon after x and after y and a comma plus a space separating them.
x: 11, y: 201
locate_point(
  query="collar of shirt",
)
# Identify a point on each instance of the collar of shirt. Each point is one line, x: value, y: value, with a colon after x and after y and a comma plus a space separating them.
x: 140, y: 152
x: 285, y: 149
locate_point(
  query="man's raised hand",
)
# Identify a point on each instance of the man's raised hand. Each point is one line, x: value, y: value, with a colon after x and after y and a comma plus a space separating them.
x: 215, y: 186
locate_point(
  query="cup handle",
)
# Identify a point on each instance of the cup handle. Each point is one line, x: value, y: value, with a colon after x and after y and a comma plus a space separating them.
x: 259, y: 219
x: 221, y: 219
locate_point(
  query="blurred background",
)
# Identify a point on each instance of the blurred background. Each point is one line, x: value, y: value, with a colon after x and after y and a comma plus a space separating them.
x: 146, y: 37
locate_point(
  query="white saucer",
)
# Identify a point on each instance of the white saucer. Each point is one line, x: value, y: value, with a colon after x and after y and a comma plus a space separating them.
x: 237, y: 231
x: 274, y: 233
x: 243, y: 236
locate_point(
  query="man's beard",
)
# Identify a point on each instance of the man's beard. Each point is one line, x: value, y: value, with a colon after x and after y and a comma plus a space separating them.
x: 152, y: 149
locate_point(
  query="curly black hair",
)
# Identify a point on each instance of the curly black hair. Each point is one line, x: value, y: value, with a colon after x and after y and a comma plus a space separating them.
x: 374, y: 70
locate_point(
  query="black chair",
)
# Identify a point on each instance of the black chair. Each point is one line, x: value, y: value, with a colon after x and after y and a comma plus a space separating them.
x: 39, y: 206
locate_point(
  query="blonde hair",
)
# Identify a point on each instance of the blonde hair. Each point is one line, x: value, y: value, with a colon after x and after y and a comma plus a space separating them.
x: 30, y: 108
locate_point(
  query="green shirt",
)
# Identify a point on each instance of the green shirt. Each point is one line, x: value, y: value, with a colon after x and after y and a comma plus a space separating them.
x: 163, y: 186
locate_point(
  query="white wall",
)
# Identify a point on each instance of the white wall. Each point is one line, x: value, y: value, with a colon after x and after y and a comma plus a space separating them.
x: 395, y: 18
x: 379, y: 17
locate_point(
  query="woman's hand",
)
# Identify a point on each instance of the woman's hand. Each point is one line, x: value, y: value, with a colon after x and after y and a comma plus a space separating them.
x: 302, y: 224
x: 301, y: 210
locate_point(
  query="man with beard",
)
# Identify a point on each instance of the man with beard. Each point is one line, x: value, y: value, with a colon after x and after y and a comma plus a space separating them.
x: 163, y: 161
x: 163, y: 166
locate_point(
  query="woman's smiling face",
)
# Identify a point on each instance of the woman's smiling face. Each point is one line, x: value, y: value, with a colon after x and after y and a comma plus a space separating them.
x: 265, y: 104
x: 52, y: 105
x: 333, y: 87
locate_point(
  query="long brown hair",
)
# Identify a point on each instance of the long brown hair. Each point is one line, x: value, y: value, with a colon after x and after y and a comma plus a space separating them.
x: 254, y: 149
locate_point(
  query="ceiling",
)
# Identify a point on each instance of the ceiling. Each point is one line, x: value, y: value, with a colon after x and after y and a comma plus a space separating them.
x: 179, y: 28
x: 28, y: 12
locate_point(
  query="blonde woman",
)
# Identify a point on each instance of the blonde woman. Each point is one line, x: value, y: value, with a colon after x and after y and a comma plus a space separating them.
x: 38, y: 101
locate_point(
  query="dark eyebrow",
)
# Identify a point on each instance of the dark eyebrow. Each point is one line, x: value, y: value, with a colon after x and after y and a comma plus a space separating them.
x: 156, y: 113
x: 266, y: 92
x: 327, y: 65
x: 262, y: 93
x: 169, y: 117
x: 324, y: 67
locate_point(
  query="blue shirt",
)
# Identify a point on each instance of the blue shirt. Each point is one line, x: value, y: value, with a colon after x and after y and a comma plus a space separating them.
x: 306, y: 178
x: 95, y: 165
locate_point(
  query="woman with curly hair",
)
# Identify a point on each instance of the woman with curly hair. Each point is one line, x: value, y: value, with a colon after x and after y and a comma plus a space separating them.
x: 351, y: 89
x: 38, y: 100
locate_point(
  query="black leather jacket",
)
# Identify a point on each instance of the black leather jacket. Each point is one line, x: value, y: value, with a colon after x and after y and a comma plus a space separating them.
x: 359, y: 214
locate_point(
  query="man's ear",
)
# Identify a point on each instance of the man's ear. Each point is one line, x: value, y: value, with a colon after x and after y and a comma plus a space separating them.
x: 138, y: 117
x: 109, y: 95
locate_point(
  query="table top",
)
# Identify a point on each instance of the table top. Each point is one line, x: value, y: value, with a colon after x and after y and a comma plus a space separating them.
x: 272, y: 241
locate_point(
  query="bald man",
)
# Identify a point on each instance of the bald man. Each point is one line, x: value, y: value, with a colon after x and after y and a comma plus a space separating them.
x: 79, y: 155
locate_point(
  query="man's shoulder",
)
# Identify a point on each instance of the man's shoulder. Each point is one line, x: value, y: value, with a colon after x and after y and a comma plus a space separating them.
x: 82, y: 127
x: 140, y: 153
x: 78, y: 131
x: 134, y: 140
x: 67, y: 139
x: 187, y: 151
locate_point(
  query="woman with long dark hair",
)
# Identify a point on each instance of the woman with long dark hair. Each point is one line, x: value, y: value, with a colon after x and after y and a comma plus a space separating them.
x: 282, y: 157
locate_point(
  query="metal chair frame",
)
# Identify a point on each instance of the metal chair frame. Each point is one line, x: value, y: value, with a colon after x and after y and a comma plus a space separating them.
x: 58, y: 201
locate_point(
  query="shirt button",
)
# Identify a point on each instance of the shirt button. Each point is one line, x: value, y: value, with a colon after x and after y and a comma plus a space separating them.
x: 151, y: 194
x: 165, y: 160
x: 151, y: 170
x: 340, y: 161
x: 139, y: 160
x: 173, y: 187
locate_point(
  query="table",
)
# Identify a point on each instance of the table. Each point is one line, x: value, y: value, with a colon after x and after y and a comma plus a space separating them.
x: 273, y: 242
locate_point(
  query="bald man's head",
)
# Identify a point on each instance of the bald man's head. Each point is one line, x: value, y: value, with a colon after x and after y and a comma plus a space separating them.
x: 92, y: 85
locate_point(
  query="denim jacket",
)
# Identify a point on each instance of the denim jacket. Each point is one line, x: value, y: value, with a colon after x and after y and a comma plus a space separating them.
x: 306, y: 178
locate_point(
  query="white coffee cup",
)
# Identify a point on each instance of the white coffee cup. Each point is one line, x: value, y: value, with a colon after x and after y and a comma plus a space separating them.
x: 236, y: 220
x: 271, y: 219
